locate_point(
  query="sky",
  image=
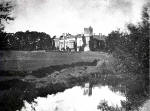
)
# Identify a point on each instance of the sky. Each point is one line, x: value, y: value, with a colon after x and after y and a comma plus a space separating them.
x: 71, y: 16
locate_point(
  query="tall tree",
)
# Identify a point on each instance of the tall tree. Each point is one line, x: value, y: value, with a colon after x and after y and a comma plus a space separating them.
x: 5, y: 13
x: 139, y: 43
x: 139, y: 37
x: 5, y: 16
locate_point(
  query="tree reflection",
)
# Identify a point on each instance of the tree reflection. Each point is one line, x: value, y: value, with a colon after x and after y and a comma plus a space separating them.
x: 103, y: 106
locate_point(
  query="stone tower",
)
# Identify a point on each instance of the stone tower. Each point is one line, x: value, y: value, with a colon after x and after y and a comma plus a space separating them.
x: 88, y: 32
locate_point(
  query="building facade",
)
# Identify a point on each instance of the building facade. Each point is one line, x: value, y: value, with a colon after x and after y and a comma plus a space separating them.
x: 80, y: 42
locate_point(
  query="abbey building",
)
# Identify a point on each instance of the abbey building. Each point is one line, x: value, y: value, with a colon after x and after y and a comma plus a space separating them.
x: 81, y: 42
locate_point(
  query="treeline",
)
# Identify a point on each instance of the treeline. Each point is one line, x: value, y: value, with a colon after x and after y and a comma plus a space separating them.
x: 26, y: 41
x: 132, y: 48
x: 21, y: 40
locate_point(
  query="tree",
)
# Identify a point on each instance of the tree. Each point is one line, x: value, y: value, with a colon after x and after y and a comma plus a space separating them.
x: 5, y: 16
x: 113, y: 40
x: 31, y: 41
x: 139, y: 38
x: 5, y: 13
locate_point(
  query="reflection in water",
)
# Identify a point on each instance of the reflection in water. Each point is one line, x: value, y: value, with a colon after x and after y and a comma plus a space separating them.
x: 75, y: 99
x: 88, y: 89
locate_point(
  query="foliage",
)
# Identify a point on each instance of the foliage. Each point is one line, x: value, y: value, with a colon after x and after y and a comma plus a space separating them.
x: 136, y: 43
x: 132, y: 51
x: 21, y: 40
x: 5, y: 16
x: 103, y: 106
x: 28, y: 41
x: 3, y: 41
x: 113, y: 40
x: 5, y: 13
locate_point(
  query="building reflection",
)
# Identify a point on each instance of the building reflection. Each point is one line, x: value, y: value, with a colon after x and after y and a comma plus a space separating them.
x: 87, y: 89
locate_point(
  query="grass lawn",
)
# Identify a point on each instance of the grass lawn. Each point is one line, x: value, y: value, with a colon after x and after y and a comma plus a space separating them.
x: 31, y: 60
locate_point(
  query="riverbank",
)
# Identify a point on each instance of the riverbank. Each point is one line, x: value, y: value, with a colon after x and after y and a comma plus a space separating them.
x: 14, y: 89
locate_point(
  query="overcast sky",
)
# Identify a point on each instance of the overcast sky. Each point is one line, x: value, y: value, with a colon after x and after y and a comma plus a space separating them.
x: 71, y: 16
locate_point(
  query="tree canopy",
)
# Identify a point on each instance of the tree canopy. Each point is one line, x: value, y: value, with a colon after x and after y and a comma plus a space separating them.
x: 132, y: 49
x: 5, y: 13
x: 29, y: 40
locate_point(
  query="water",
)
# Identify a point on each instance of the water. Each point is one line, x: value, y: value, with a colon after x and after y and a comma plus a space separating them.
x: 76, y: 99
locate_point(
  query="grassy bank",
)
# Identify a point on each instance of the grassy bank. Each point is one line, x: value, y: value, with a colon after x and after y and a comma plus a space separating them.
x: 14, y: 90
x: 50, y: 80
x: 30, y: 60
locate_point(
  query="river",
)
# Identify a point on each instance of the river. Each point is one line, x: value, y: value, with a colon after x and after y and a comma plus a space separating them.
x: 78, y: 98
